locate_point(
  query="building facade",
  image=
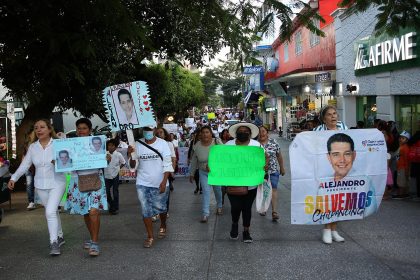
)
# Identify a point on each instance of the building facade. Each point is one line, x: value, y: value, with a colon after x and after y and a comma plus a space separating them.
x: 378, y: 76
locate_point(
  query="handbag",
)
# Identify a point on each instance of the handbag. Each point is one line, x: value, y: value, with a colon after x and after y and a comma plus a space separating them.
x: 237, y: 190
x: 89, y: 182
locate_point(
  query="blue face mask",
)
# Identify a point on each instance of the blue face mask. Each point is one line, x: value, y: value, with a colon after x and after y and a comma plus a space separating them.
x: 148, y: 135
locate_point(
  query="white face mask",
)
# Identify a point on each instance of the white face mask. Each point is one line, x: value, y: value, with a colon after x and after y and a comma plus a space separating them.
x: 148, y: 135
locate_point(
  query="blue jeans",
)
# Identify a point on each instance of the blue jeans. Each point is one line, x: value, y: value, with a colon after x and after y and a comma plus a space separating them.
x: 206, y: 193
x: 113, y: 200
x: 30, y: 189
x: 274, y: 179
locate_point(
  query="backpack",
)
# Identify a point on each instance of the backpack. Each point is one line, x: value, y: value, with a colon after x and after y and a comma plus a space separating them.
x: 414, y: 153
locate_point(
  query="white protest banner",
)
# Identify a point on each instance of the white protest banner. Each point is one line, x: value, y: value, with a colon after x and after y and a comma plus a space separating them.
x: 125, y: 172
x: 337, y: 175
x: 171, y: 128
x: 128, y: 106
x: 183, y: 169
x: 80, y: 153
x: 189, y: 122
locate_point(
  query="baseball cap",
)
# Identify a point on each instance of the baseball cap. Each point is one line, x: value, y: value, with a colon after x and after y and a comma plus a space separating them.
x: 405, y: 134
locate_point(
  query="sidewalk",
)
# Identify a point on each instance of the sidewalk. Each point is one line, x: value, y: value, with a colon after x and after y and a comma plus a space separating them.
x: 384, y: 246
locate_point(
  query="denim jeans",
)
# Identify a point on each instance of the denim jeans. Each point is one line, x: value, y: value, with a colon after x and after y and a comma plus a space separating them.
x: 113, y: 200
x: 30, y: 189
x: 206, y: 193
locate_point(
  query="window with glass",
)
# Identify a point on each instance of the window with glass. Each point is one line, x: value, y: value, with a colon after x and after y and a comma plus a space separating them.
x: 298, y: 43
x: 366, y: 110
x: 314, y: 39
x: 286, y: 52
x: 407, y: 113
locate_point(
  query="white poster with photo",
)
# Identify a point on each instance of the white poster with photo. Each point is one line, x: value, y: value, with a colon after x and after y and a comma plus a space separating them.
x: 337, y: 175
x: 128, y: 106
x: 183, y: 169
x: 189, y: 122
x: 125, y: 172
x: 80, y: 153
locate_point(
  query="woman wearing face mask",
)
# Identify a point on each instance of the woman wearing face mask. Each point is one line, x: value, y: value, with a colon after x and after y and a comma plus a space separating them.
x: 199, y: 160
x: 90, y: 203
x: 49, y: 185
x: 153, y: 170
x: 243, y: 133
x: 329, y: 118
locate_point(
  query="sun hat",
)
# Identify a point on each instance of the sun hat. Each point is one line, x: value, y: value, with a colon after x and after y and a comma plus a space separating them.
x: 254, y: 129
x: 405, y: 134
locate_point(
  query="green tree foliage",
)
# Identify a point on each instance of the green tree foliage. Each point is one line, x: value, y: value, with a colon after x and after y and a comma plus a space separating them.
x: 393, y: 14
x: 63, y: 53
x: 172, y: 88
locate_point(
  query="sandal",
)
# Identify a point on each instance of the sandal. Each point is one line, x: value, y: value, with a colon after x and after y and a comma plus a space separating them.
x: 162, y: 233
x: 148, y: 243
x: 86, y: 244
x: 94, y: 249
x: 275, y: 216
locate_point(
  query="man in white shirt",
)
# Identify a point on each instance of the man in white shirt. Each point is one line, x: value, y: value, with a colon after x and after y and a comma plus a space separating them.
x: 112, y: 179
x: 153, y: 169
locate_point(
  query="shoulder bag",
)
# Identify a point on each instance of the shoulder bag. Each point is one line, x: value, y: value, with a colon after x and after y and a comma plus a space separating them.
x: 89, y: 182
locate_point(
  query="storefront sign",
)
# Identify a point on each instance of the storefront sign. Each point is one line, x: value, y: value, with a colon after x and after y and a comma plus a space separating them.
x: 323, y: 77
x: 249, y: 70
x: 382, y: 53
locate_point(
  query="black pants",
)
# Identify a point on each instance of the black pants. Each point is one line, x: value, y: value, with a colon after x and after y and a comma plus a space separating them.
x: 197, y: 178
x: 113, y: 200
x: 242, y: 203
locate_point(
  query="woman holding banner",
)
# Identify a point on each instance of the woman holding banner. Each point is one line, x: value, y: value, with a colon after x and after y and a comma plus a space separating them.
x: 199, y: 160
x: 243, y: 133
x: 87, y: 203
x: 49, y: 185
x: 275, y: 167
x: 329, y: 121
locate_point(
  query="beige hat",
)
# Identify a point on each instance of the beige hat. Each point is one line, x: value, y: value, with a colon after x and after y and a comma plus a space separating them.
x: 254, y: 129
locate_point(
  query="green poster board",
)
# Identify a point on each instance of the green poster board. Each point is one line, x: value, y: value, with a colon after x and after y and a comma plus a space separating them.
x: 236, y: 165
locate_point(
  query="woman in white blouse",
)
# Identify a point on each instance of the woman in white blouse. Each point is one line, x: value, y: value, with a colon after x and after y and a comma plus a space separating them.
x: 49, y: 185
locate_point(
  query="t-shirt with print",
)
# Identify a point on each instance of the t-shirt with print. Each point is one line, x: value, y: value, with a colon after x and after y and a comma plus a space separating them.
x: 150, y: 168
x: 272, y: 149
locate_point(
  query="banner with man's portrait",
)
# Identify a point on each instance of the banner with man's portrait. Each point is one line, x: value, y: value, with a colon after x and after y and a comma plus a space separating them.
x: 128, y: 106
x: 337, y: 175
x: 80, y: 153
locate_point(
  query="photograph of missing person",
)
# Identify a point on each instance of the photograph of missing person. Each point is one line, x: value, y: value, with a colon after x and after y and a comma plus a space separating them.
x: 96, y: 145
x: 63, y: 160
x: 124, y: 106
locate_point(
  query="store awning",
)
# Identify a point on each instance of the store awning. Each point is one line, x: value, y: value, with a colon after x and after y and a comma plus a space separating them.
x: 276, y: 89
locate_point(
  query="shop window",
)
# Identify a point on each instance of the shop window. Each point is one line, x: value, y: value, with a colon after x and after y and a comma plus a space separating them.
x: 286, y: 52
x: 366, y: 110
x: 407, y: 113
x: 298, y: 43
x: 314, y: 39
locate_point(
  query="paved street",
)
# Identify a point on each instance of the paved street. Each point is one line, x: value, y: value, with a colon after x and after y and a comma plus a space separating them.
x: 384, y: 246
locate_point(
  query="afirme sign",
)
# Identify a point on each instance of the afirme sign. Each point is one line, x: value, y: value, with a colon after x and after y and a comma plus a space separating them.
x: 375, y: 55
x: 253, y: 70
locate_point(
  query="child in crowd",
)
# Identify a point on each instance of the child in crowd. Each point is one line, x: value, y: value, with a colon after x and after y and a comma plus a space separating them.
x: 115, y: 162
x: 403, y: 167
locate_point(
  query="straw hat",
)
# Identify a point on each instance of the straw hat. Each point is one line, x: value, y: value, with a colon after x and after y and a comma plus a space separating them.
x: 254, y: 129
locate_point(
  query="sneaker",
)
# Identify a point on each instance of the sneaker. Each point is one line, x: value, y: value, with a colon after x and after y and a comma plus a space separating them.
x: 327, y: 236
x: 55, y: 249
x: 31, y: 206
x: 234, y: 232
x: 86, y: 244
x: 94, y: 249
x: 336, y: 237
x: 246, y: 237
x: 61, y: 241
x: 204, y: 219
